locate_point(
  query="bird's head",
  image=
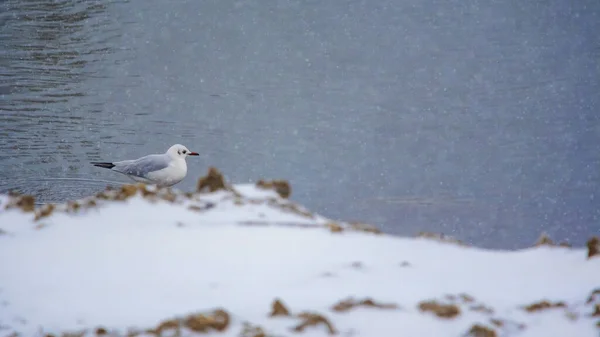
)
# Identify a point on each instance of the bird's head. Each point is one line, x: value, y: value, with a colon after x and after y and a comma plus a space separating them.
x: 180, y: 151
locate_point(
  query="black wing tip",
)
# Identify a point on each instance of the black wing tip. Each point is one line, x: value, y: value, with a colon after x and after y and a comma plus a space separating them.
x: 104, y: 165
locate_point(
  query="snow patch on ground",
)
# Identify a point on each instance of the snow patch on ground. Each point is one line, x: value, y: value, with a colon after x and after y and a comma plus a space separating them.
x: 247, y: 262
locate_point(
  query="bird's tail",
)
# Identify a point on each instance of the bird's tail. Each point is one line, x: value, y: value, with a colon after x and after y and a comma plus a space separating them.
x: 105, y: 165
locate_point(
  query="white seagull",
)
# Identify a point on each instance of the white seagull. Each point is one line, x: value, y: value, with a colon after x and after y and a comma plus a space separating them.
x: 163, y: 170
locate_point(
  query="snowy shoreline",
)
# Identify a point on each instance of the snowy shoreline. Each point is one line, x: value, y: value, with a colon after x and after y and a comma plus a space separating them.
x: 244, y: 260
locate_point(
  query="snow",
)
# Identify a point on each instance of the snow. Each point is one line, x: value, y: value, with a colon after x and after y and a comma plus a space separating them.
x: 161, y: 256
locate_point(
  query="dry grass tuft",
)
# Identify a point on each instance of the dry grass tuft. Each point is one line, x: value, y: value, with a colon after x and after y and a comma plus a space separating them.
x: 440, y: 237
x: 100, y: 331
x: 348, y: 304
x: 104, y: 195
x: 282, y: 187
x: 74, y: 334
x: 362, y: 227
x: 73, y: 206
x: 291, y: 207
x: 145, y: 191
x: 471, y: 302
x: 126, y: 192
x: 314, y: 319
x: 44, y: 211
x: 249, y: 330
x: 545, y: 240
x: 355, y: 226
x: 439, y: 309
x: 213, y: 181
x: 481, y: 331
x: 334, y: 227
x: 218, y: 320
x: 26, y: 203
x: 544, y: 305
x: 164, y: 326
x: 593, y: 246
x: 278, y: 309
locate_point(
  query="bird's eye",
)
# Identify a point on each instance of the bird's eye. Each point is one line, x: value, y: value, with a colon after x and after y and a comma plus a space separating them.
x: 184, y: 151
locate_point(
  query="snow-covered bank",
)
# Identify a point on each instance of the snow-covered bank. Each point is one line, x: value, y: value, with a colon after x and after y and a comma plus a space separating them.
x: 246, y: 261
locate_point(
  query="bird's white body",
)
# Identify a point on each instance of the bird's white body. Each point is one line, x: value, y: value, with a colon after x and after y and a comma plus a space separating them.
x: 165, y: 169
x: 175, y: 171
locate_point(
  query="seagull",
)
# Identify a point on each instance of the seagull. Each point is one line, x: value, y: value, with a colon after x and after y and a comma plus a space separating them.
x: 163, y: 170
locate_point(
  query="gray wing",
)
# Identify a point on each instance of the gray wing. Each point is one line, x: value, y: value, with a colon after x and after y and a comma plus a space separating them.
x: 142, y: 166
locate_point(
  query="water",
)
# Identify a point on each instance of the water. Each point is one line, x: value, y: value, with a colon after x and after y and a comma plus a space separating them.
x: 478, y: 119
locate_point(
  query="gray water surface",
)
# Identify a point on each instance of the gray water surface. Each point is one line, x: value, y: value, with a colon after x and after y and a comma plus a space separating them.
x: 478, y: 119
